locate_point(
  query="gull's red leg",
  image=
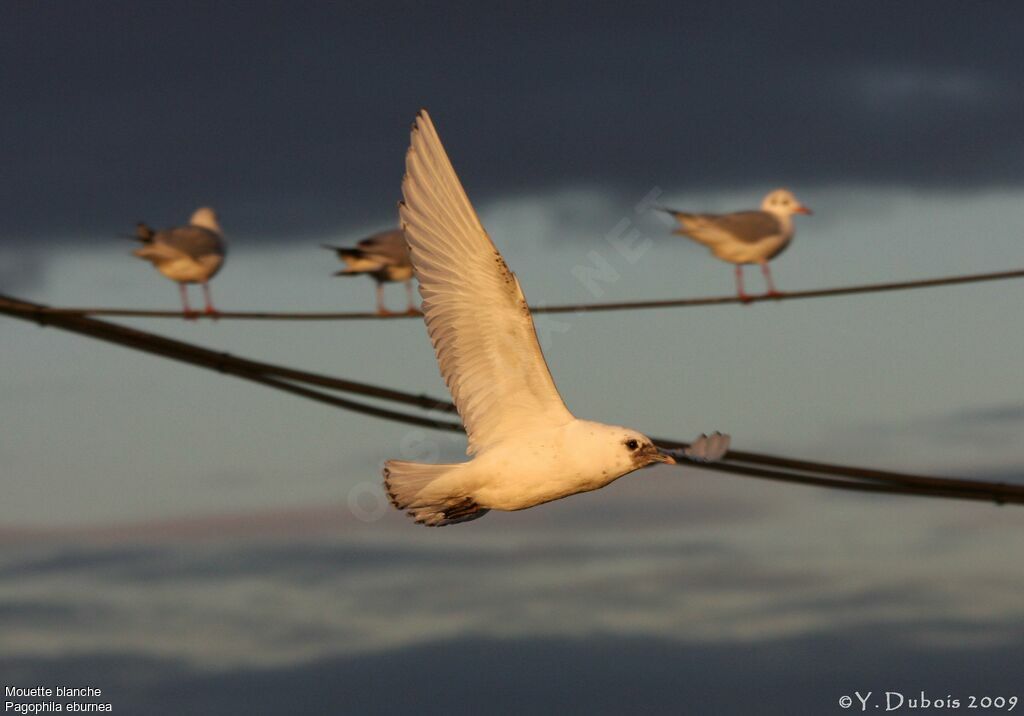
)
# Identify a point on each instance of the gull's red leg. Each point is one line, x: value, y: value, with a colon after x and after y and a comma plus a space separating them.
x: 381, y: 310
x: 210, y: 310
x: 409, y: 299
x: 768, y: 279
x: 739, y: 284
x: 186, y: 309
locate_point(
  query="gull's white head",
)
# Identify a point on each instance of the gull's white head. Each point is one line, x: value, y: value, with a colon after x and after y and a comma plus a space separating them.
x: 621, y: 450
x: 782, y: 201
x: 206, y: 218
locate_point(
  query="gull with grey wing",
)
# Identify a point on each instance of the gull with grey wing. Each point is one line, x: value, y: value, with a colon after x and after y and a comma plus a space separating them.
x: 746, y: 237
x: 186, y: 254
x: 385, y: 258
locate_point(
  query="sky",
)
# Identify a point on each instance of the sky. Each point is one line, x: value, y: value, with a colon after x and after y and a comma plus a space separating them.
x: 192, y: 542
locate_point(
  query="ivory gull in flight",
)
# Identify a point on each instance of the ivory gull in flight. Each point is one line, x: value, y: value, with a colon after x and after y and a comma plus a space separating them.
x: 385, y: 258
x: 746, y: 237
x: 186, y: 254
x: 526, y: 447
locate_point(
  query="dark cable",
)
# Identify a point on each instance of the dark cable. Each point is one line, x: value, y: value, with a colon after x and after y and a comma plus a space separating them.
x: 283, y: 378
x: 564, y: 308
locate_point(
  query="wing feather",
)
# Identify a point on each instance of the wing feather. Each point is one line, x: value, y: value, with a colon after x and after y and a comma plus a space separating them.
x: 195, y: 241
x: 476, y: 314
x: 749, y: 226
x: 746, y: 226
x: 388, y: 247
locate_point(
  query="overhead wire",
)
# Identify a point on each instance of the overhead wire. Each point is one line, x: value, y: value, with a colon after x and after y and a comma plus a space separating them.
x: 554, y: 309
x: 298, y: 382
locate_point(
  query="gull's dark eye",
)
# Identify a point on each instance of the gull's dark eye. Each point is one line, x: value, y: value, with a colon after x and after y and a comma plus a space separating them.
x: 632, y: 444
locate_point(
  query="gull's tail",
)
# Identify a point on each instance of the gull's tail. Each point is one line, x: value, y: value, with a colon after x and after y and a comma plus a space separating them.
x: 686, y: 220
x: 424, y: 493
x: 692, y: 226
x: 672, y: 212
x: 151, y: 250
x: 143, y: 233
x: 356, y: 260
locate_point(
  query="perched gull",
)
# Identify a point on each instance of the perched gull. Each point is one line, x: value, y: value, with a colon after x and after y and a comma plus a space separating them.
x: 186, y: 254
x: 385, y: 257
x: 526, y: 447
x: 746, y: 237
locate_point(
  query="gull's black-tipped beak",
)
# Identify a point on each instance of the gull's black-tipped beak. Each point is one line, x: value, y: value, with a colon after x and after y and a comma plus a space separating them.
x: 653, y: 455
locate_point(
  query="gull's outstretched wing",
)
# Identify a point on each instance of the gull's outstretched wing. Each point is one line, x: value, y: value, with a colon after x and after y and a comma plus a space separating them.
x: 475, y: 311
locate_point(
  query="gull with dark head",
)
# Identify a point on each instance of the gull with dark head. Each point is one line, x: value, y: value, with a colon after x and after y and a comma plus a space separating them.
x: 526, y: 447
x: 385, y: 258
x: 186, y: 254
x: 746, y: 237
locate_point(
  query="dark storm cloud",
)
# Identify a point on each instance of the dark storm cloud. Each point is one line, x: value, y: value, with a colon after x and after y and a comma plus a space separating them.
x: 598, y: 620
x: 307, y: 562
x: 594, y: 675
x: 22, y: 614
x: 267, y: 600
x: 292, y: 117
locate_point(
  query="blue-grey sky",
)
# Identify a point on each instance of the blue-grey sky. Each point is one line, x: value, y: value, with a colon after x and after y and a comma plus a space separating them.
x: 229, y: 544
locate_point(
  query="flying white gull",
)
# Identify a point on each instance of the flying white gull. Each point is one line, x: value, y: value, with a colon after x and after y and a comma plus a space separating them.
x: 384, y: 257
x: 526, y: 447
x: 186, y: 254
x: 746, y: 237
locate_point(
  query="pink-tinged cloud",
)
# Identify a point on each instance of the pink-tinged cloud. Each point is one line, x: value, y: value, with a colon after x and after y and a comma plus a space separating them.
x: 291, y: 522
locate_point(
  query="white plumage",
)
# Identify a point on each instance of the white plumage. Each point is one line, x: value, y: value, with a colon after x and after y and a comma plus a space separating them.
x: 527, y: 447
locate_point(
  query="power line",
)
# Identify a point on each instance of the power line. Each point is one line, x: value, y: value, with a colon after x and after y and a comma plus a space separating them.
x: 297, y: 382
x: 266, y: 373
x: 562, y: 308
